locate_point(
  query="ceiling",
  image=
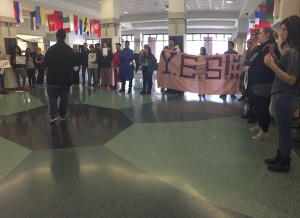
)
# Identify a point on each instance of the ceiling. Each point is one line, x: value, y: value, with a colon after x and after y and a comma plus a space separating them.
x: 150, y: 15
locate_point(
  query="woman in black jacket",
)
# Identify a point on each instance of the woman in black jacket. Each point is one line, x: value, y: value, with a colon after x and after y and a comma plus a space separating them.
x: 260, y: 79
x: 76, y: 64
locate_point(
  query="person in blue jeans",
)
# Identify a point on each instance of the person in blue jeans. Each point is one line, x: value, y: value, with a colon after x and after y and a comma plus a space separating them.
x: 59, y: 60
x: 285, y: 90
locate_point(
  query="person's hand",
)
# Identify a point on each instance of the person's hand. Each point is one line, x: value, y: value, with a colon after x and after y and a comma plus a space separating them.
x: 246, y: 68
x: 269, y: 60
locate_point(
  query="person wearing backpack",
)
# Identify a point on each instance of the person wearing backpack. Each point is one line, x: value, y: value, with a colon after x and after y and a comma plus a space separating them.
x: 149, y: 65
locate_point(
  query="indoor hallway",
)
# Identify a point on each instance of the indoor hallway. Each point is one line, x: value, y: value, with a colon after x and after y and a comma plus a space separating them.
x: 132, y: 155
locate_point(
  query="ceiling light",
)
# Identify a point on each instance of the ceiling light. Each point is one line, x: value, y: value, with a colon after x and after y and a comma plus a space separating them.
x: 217, y: 8
x: 229, y: 2
x: 125, y: 12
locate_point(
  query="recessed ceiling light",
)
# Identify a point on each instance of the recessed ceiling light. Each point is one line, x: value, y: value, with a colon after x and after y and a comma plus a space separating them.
x: 167, y: 9
x: 217, y: 8
x: 125, y: 12
x: 229, y: 2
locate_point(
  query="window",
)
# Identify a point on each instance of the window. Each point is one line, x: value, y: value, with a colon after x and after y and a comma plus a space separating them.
x: 129, y: 38
x: 156, y: 42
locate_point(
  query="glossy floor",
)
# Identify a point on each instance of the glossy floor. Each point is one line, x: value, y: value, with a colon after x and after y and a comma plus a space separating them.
x: 128, y: 155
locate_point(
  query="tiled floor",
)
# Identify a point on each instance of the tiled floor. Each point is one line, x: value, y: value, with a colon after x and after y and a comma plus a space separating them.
x: 127, y: 155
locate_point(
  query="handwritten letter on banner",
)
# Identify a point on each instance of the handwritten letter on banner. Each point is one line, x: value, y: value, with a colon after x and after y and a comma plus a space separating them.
x: 211, y: 75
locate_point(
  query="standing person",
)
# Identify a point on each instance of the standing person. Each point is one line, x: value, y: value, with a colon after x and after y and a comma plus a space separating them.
x: 30, y: 68
x: 40, y: 66
x: 2, y: 74
x: 84, y: 61
x: 285, y: 90
x: 106, y: 56
x: 92, y: 67
x: 260, y: 79
x: 229, y: 51
x: 202, y: 53
x: 59, y: 60
x: 149, y: 64
x: 136, y: 58
x: 116, y: 63
x: 98, y: 51
x: 173, y: 46
x: 76, y: 65
x: 251, y: 114
x: 18, y: 68
x: 126, y: 67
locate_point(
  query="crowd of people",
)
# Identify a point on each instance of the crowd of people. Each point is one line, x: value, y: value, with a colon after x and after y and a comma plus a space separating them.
x: 269, y: 80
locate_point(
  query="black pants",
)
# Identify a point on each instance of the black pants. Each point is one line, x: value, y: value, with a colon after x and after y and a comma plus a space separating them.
x: 31, y: 76
x: 124, y: 82
x: 76, y: 76
x: 147, y: 79
x: 41, y: 74
x: 261, y: 105
x: 83, y: 74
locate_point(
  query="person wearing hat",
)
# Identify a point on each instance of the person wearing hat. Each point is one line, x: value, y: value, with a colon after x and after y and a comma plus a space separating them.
x: 59, y: 61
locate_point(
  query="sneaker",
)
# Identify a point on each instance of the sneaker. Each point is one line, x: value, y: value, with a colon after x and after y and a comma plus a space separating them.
x: 52, y: 120
x: 261, y: 135
x: 63, y: 118
x: 233, y: 96
x: 222, y: 96
x: 255, y: 129
x: 242, y: 98
x: 122, y: 90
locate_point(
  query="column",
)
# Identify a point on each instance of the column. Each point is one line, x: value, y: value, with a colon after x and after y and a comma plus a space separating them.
x: 137, y: 41
x: 8, y: 37
x: 285, y: 8
x: 177, y: 22
x: 110, y: 22
x: 241, y: 35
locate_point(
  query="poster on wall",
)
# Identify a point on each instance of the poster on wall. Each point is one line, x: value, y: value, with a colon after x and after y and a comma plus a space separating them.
x: 10, y: 45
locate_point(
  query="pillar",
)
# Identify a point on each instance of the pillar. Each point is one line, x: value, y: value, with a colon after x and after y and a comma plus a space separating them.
x: 177, y: 22
x: 137, y: 41
x: 8, y: 37
x: 241, y: 35
x: 110, y: 22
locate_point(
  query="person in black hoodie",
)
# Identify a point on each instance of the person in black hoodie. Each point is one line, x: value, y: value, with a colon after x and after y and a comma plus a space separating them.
x: 260, y: 79
x: 106, y: 57
x: 76, y: 64
x: 84, y: 61
x: 59, y: 60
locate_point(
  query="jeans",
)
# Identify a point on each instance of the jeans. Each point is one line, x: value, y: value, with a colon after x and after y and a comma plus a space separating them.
x: 2, y: 81
x: 284, y: 105
x: 55, y: 92
x: 261, y: 105
x: 83, y: 70
x: 92, y: 72
x: 147, y: 79
x: 31, y: 76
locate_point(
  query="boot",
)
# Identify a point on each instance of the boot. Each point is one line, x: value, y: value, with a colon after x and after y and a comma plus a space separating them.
x: 274, y: 160
x: 282, y: 166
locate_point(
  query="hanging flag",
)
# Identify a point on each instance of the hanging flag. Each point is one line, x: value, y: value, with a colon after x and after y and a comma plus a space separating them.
x: 33, y: 25
x: 38, y: 16
x: 58, y: 20
x: 51, y: 23
x: 71, y: 18
x: 80, y: 26
x: 84, y: 20
x: 66, y: 24
x: 18, y: 12
x: 96, y: 28
x: 43, y: 16
x: 75, y: 22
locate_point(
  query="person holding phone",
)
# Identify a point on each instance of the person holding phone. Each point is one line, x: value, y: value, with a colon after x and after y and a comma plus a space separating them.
x: 285, y: 90
x: 260, y: 79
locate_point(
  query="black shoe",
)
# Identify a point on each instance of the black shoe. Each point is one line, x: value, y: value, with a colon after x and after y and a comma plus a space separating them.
x: 233, y: 96
x: 148, y: 92
x: 242, y: 98
x: 222, y: 96
x: 122, y: 90
x: 129, y: 91
x: 283, y: 165
x: 142, y: 92
x: 274, y: 160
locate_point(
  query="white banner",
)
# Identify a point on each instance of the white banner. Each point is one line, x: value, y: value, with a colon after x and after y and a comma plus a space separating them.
x: 4, y: 64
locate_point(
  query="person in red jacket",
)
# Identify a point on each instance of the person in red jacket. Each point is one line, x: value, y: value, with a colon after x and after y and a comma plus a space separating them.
x: 116, y: 62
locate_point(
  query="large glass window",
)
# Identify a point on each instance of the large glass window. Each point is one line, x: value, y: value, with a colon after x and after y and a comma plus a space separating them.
x: 156, y: 42
x: 214, y: 43
x: 129, y: 38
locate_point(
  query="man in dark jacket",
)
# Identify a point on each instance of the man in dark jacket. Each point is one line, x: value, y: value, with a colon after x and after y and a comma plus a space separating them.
x: 59, y: 60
